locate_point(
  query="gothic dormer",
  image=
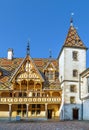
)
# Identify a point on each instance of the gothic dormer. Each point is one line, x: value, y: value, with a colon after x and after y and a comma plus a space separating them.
x: 49, y: 71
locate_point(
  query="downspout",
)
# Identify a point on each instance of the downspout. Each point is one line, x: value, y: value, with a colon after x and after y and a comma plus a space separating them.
x: 80, y: 97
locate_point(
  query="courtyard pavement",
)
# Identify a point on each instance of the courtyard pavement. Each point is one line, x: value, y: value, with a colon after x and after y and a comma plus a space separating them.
x: 44, y: 125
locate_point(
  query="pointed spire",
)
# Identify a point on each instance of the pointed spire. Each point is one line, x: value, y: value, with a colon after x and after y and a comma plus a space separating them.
x: 28, y: 49
x: 50, y: 53
x: 71, y: 19
x: 73, y: 39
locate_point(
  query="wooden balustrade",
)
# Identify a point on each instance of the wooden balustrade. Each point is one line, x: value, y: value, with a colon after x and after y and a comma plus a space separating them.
x: 27, y: 100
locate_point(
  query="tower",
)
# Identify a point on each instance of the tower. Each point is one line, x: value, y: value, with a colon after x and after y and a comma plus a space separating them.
x: 72, y: 61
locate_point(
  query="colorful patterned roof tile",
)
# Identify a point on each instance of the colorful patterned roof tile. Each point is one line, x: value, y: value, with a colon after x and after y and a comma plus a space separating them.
x: 73, y: 39
x: 8, y: 67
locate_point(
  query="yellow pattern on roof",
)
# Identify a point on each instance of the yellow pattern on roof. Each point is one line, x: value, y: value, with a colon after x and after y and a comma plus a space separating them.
x: 73, y: 39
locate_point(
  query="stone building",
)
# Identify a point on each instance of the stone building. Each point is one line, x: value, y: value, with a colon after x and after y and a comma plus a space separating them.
x: 84, y: 93
x: 72, y: 62
x: 29, y: 87
x: 46, y: 88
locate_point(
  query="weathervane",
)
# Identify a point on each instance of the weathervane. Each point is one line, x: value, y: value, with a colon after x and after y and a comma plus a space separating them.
x: 71, y: 20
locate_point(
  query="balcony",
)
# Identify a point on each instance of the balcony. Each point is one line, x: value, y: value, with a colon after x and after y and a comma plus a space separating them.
x: 30, y: 100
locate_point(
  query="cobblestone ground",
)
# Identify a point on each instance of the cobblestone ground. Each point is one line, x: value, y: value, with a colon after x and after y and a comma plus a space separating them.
x: 45, y: 125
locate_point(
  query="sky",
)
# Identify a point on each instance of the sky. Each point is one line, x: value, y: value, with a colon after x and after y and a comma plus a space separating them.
x: 44, y: 23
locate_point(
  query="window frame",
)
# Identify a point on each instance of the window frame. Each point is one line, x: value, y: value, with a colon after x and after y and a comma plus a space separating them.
x: 75, y: 55
x: 72, y: 100
x: 75, y: 73
x: 73, y: 88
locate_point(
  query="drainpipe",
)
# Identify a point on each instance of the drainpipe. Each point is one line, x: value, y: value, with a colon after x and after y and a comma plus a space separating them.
x: 80, y: 97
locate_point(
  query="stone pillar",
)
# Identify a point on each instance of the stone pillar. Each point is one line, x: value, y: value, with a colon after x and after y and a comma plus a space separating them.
x: 46, y: 112
x: 10, y: 111
x: 27, y: 110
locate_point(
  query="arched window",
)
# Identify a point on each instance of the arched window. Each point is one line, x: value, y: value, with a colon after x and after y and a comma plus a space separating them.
x: 37, y: 86
x: 31, y: 85
x: 16, y: 86
x: 24, y: 85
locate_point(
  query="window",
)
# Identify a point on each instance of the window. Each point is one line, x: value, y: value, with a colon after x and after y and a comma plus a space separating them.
x: 38, y: 94
x: 24, y: 94
x: 33, y: 112
x: 19, y: 105
x: 75, y: 55
x: 24, y: 105
x: 88, y: 83
x: 20, y: 94
x: 75, y: 73
x: 33, y: 105
x: 72, y: 88
x: 72, y: 100
x: 38, y: 106
x: 49, y: 75
x: 38, y: 112
x: 18, y: 112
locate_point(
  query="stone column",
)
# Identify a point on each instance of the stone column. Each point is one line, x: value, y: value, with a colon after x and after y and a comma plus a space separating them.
x: 10, y: 111
x: 27, y: 110
x: 46, y: 112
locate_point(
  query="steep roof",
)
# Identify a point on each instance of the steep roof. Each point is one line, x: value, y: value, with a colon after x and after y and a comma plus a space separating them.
x: 8, y: 67
x: 26, y: 59
x: 73, y: 39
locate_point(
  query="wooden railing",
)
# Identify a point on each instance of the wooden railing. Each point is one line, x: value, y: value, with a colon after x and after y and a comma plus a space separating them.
x: 15, y: 100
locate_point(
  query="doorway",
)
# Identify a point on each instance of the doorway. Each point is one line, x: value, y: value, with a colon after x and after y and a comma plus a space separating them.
x: 75, y: 114
x: 49, y: 114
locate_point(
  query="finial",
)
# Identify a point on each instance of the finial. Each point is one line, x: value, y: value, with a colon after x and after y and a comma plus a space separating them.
x: 71, y: 19
x: 28, y: 49
x: 50, y: 53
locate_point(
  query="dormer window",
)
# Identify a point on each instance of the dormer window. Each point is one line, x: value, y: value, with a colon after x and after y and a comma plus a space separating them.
x: 49, y: 75
x: 49, y: 71
x: 75, y: 55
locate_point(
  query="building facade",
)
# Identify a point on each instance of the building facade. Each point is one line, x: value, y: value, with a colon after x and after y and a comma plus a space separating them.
x: 72, y: 61
x: 29, y: 87
x: 46, y: 88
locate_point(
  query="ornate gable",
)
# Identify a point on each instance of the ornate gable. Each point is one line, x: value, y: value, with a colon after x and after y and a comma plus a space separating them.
x: 27, y: 71
x: 50, y: 66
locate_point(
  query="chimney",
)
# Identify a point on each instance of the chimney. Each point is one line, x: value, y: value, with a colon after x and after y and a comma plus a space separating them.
x: 10, y: 54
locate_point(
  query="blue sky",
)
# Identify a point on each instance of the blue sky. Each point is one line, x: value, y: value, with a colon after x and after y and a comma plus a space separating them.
x: 44, y: 22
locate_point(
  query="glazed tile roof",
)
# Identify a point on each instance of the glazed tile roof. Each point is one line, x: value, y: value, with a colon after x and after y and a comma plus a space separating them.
x: 73, y: 39
x: 8, y: 67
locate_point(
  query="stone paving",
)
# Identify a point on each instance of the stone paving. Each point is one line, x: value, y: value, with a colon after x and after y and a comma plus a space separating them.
x: 44, y: 125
